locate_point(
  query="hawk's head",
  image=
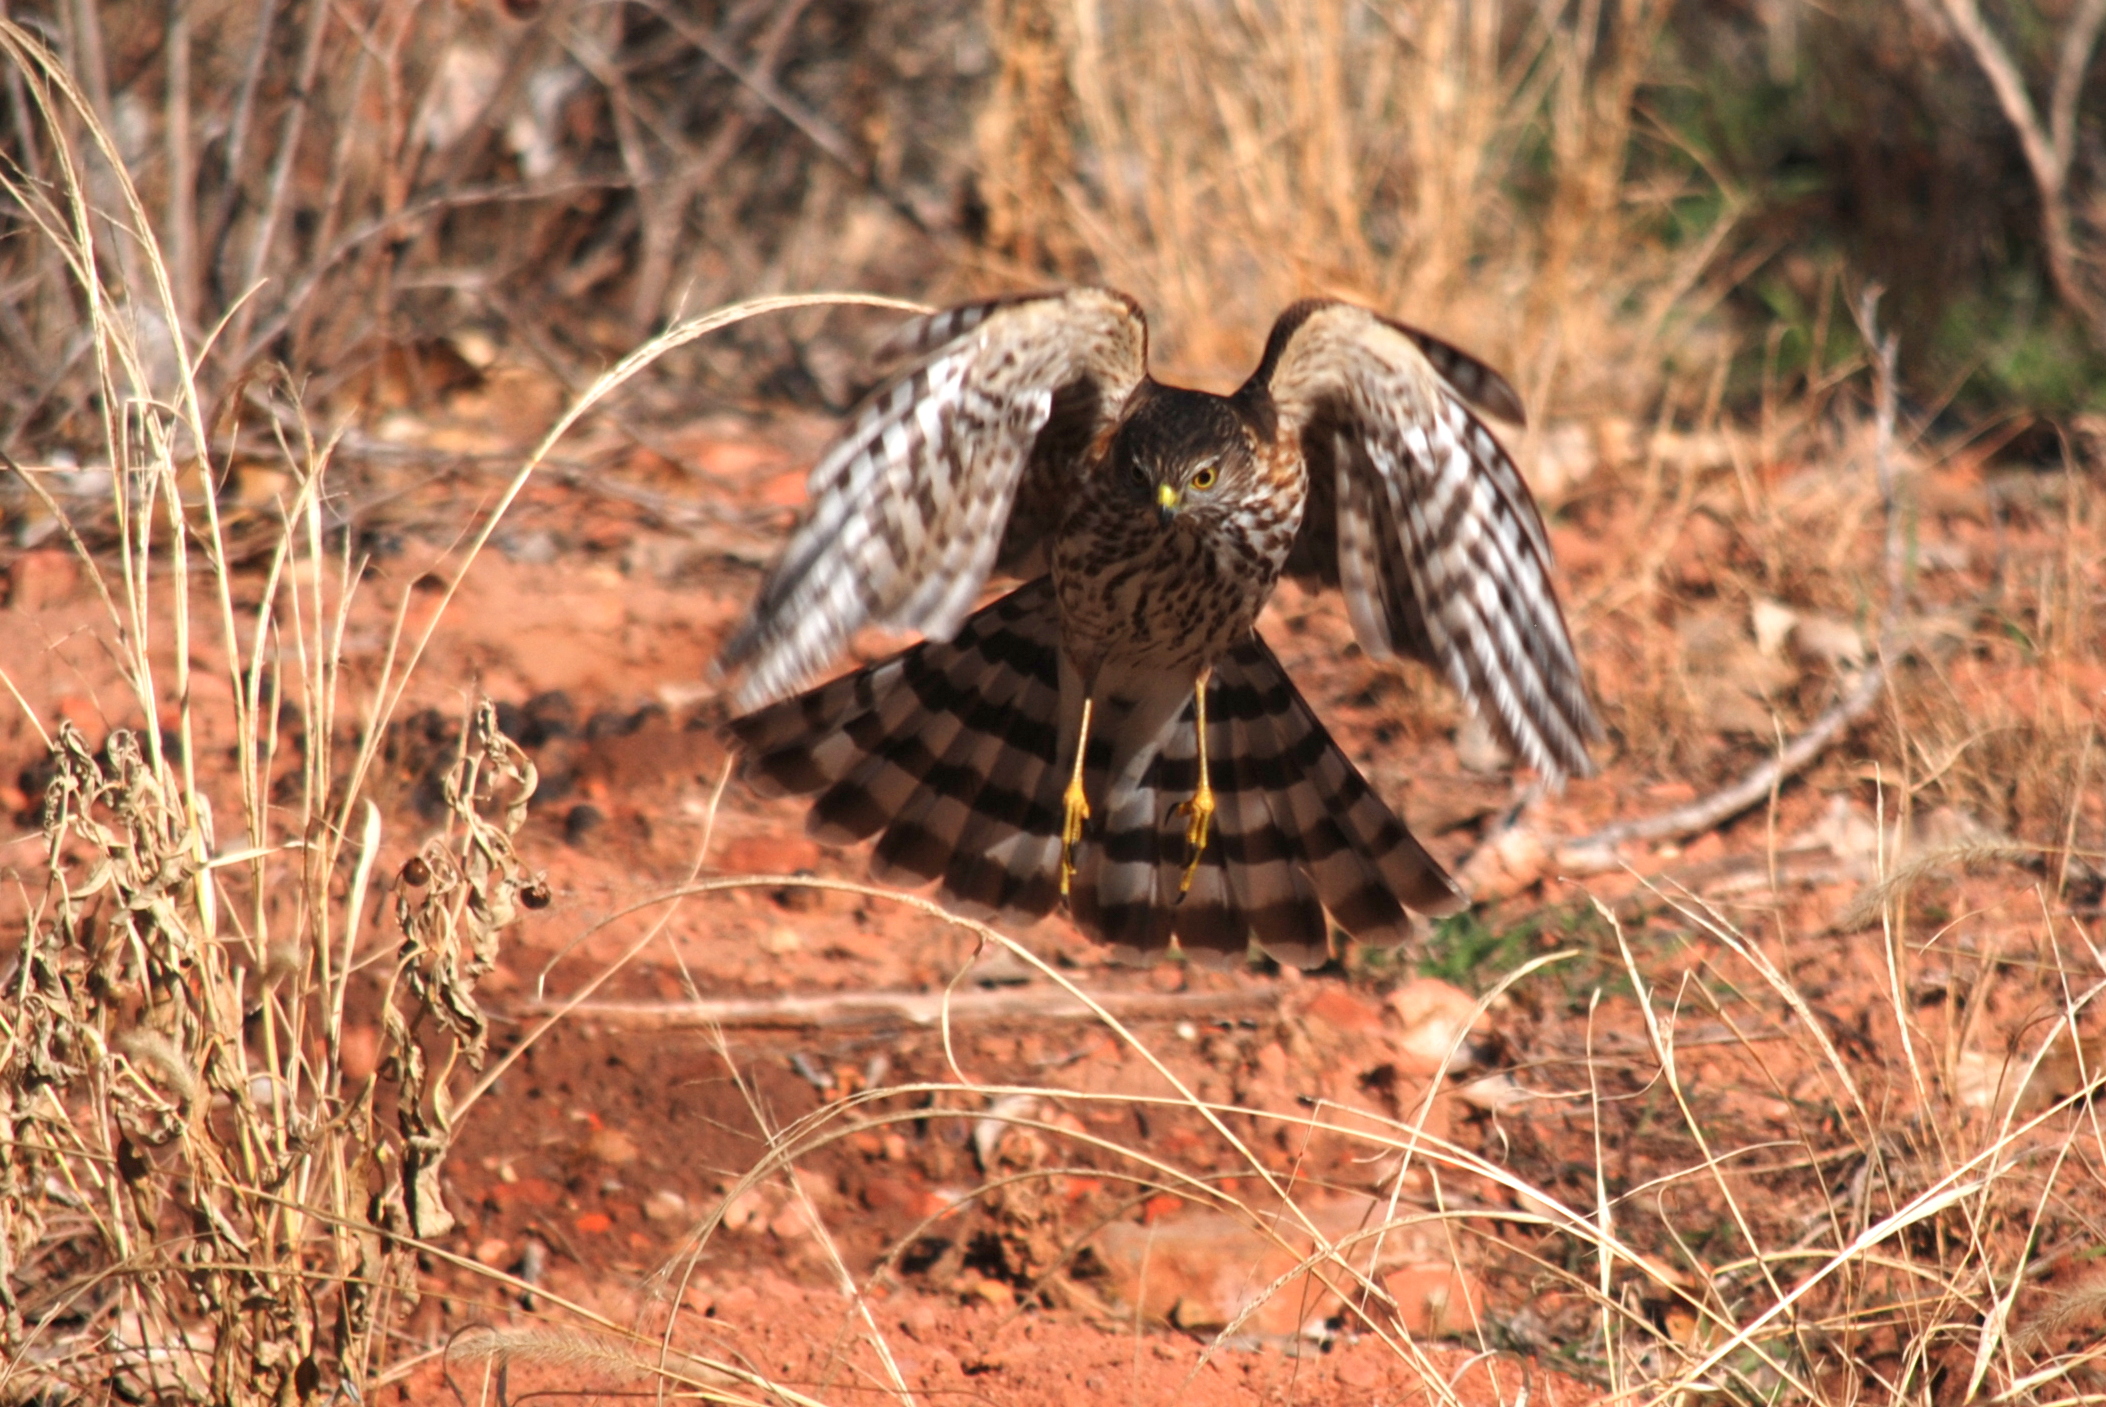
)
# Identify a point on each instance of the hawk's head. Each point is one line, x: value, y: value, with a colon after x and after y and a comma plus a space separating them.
x: 1186, y: 454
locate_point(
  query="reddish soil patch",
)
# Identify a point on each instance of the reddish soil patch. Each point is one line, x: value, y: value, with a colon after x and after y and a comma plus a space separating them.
x: 601, y: 1157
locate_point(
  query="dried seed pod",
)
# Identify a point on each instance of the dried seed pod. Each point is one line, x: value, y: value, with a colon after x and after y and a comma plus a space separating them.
x: 415, y: 873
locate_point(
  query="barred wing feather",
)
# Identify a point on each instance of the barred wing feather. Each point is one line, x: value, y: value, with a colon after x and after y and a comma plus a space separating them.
x: 911, y: 507
x: 1419, y: 516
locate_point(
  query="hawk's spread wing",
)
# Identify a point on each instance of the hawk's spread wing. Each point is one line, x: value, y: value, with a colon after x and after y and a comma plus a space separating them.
x: 1418, y: 515
x: 912, y: 507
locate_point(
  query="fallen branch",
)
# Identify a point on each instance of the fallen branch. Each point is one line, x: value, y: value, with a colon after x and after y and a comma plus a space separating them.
x: 911, y: 1008
x: 1596, y: 852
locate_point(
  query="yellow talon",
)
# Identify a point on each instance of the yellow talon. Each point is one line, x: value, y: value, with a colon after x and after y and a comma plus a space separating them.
x: 1078, y: 811
x: 1200, y: 809
x: 1077, y: 805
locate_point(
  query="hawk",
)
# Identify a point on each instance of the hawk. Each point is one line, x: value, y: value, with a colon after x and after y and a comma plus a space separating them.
x: 1114, y: 732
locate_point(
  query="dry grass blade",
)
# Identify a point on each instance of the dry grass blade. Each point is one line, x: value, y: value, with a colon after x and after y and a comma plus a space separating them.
x: 1875, y: 900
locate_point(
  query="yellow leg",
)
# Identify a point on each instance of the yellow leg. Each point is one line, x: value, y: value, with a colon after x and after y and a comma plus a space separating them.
x: 1201, y: 807
x: 1078, y: 804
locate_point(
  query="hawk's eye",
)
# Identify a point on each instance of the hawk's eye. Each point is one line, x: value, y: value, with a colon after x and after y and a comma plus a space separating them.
x: 1204, y: 479
x: 1135, y: 472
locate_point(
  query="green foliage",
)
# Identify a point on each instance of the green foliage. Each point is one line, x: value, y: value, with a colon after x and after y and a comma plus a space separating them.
x: 1858, y: 146
x: 1464, y: 950
x: 1468, y: 951
x: 2025, y: 350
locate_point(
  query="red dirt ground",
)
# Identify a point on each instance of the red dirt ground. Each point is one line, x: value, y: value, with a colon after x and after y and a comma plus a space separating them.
x: 597, y: 1154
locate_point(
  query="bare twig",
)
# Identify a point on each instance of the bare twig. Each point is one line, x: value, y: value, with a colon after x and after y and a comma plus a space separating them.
x: 2050, y: 148
x: 1885, y: 349
x: 816, y: 129
x: 838, y: 1009
x: 182, y: 169
x: 221, y: 222
x: 282, y: 165
x: 761, y: 82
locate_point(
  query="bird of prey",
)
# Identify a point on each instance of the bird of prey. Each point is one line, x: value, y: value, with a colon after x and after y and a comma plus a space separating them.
x: 1114, y: 733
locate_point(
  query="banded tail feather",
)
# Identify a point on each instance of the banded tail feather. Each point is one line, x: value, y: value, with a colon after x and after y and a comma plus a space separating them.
x: 949, y: 752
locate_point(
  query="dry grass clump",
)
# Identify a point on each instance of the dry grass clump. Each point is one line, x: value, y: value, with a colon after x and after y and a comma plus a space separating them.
x: 1465, y: 166
x: 1731, y: 584
x: 389, y: 197
x: 1828, y: 1212
x: 396, y: 200
x: 1803, y: 1186
x: 200, y: 1204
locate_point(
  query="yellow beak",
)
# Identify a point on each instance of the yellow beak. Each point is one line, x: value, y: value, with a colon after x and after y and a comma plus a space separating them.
x: 1166, y: 499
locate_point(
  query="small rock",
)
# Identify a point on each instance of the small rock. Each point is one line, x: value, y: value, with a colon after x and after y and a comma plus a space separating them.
x: 533, y: 1261
x: 988, y: 1130
x: 1503, y: 866
x: 494, y: 1251
x: 583, y: 819
x: 817, y: 1186
x: 1494, y: 1094
x: 1579, y: 860
x: 747, y: 1211
x: 1773, y: 622
x: 660, y: 556
x: 1478, y: 749
x: 43, y: 577
x: 791, y: 1223
x: 535, y: 548
x: 1339, y: 1009
x: 995, y: 1293
x: 1201, y: 1269
x: 777, y: 942
x: 919, y: 1320
x: 890, y: 1194
x: 998, y: 967
x: 1827, y: 640
x: 1436, y: 1299
x: 2014, y: 1084
x: 612, y: 1147
x: 1439, y: 1023
x: 665, y: 1206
